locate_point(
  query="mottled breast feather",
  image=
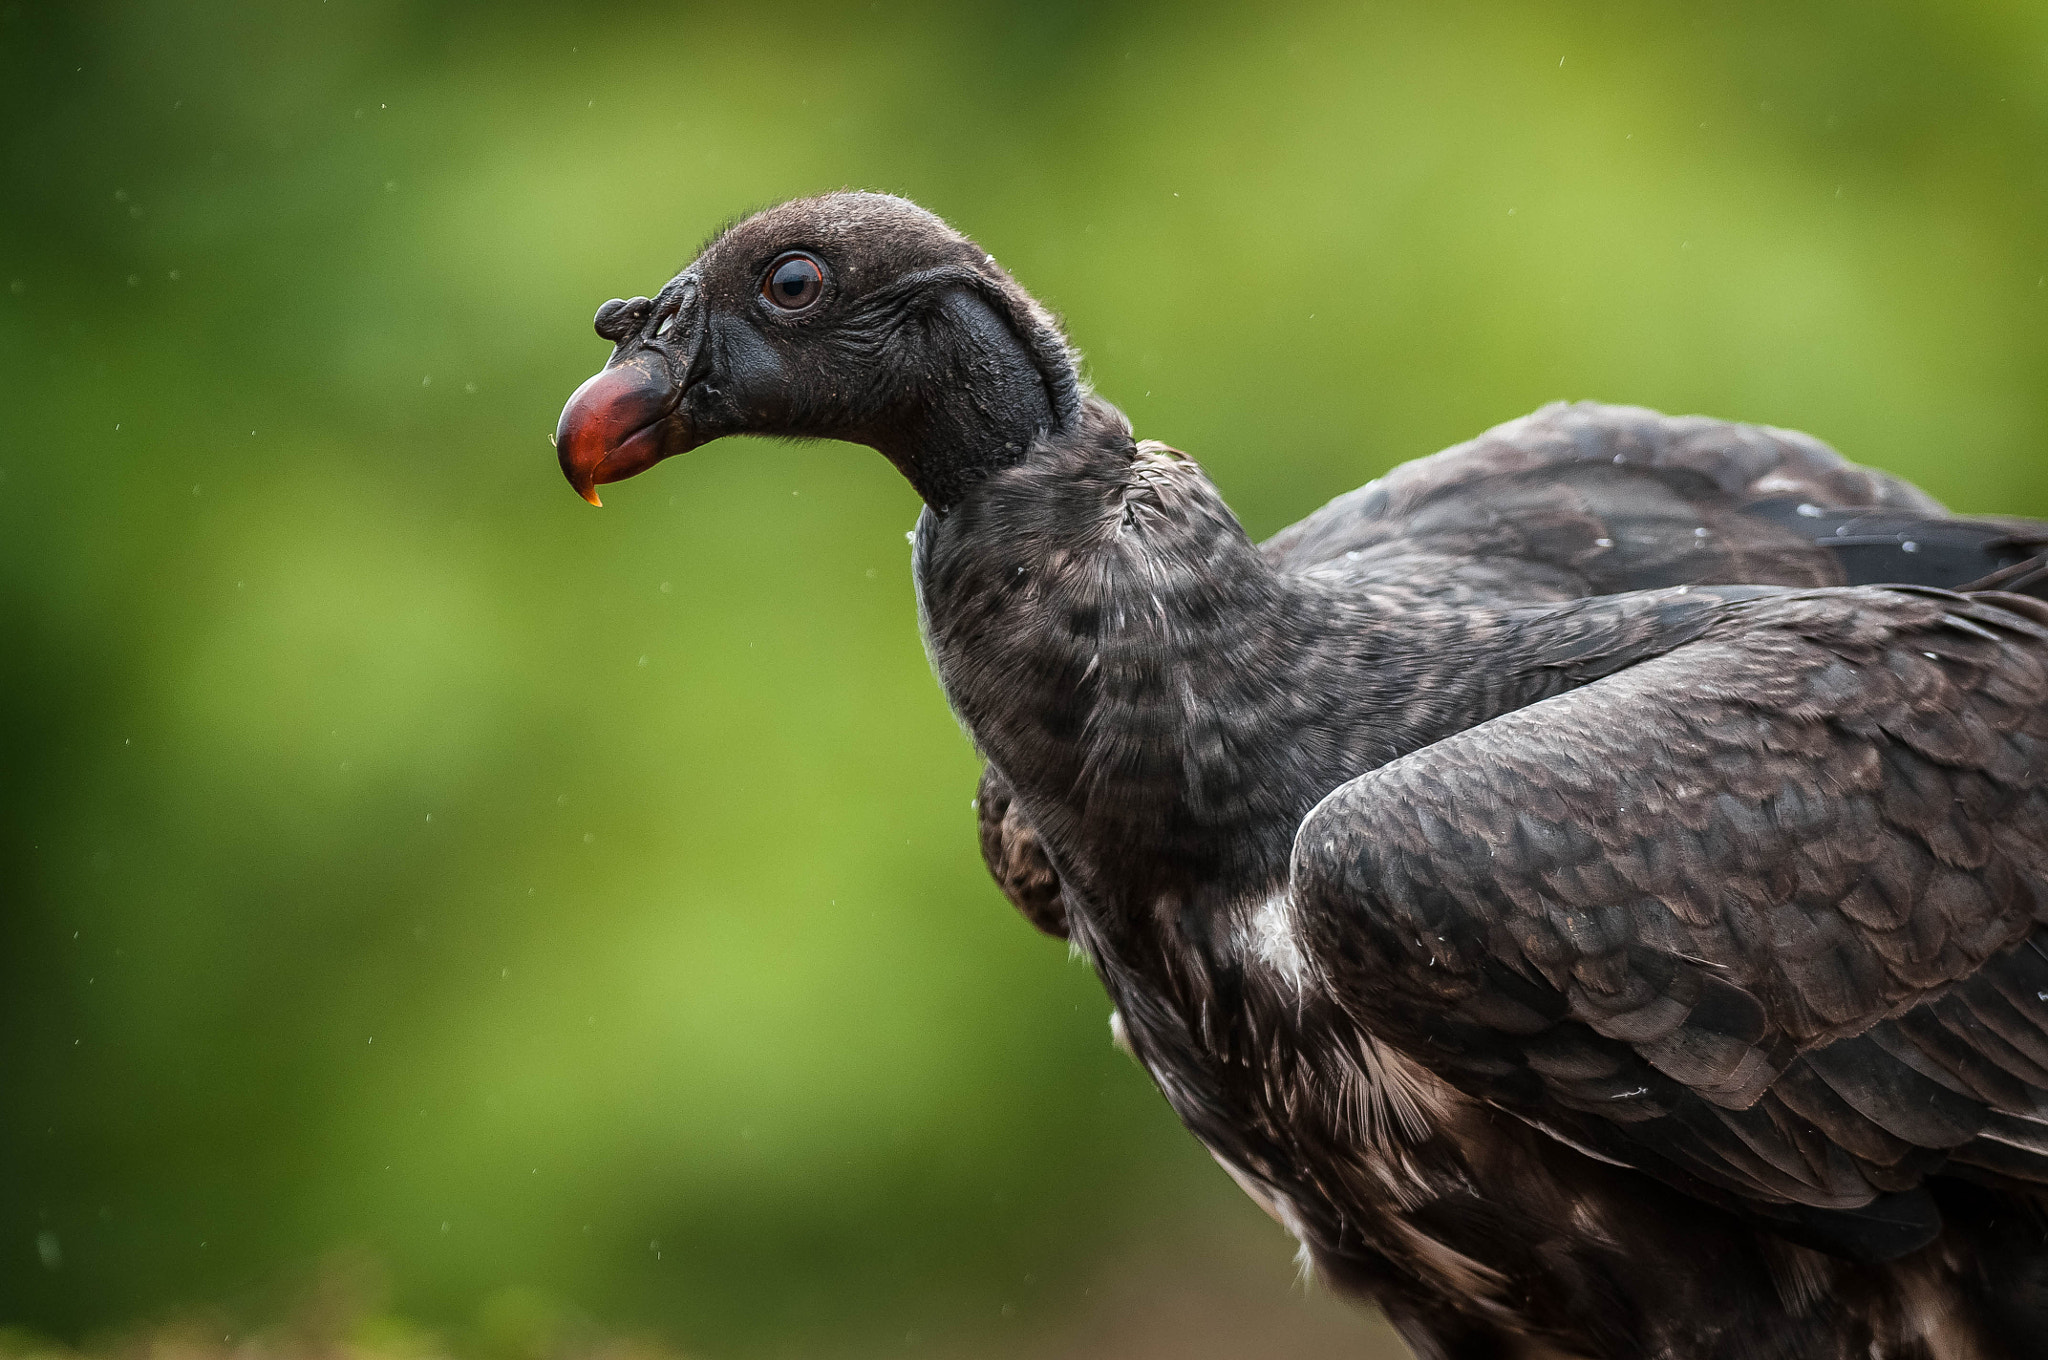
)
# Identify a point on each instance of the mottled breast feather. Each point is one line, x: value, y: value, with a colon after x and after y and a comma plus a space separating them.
x: 1017, y: 859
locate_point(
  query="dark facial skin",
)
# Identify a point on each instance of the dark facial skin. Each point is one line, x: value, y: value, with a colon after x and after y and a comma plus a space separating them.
x: 904, y: 336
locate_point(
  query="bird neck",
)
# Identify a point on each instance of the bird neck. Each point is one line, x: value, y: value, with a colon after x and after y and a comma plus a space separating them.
x: 1165, y: 704
x: 1118, y: 647
x: 997, y: 379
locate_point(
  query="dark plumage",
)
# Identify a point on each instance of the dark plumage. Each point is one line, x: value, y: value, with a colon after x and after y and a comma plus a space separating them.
x: 1588, y: 884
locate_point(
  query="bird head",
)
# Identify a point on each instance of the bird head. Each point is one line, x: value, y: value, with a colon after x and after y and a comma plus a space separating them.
x: 853, y: 316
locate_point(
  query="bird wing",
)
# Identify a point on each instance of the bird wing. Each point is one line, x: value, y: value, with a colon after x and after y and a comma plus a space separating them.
x: 1587, y: 499
x: 1761, y: 916
x: 1016, y: 857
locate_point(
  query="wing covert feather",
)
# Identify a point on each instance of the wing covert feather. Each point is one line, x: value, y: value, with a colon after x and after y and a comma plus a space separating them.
x: 1762, y: 916
x: 1587, y: 499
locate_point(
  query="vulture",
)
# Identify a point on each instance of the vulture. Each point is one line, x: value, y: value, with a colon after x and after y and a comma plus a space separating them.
x: 1590, y: 885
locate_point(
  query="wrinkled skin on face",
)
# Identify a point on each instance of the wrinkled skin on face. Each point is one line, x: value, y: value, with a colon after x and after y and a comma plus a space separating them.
x: 910, y: 316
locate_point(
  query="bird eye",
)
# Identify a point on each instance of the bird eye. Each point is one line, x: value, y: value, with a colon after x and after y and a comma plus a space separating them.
x: 794, y: 282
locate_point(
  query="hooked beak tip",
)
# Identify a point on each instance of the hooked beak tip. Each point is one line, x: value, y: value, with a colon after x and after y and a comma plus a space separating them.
x: 579, y: 478
x: 612, y: 426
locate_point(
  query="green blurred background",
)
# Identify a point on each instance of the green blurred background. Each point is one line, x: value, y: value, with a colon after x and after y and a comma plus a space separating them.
x: 576, y: 914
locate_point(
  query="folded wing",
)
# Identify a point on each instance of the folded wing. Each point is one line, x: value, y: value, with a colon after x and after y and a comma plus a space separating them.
x: 1762, y: 916
x: 1588, y: 499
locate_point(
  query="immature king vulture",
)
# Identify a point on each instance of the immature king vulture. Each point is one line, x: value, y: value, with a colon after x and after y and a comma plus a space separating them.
x: 1589, y: 885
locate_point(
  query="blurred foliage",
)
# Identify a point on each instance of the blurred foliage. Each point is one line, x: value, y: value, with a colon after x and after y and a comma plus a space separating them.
x: 397, y: 853
x: 341, y: 1313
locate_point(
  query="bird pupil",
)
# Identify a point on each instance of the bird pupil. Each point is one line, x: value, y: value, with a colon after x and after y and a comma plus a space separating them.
x: 795, y: 282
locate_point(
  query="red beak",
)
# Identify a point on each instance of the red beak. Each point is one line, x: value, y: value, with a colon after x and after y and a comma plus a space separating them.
x: 612, y: 426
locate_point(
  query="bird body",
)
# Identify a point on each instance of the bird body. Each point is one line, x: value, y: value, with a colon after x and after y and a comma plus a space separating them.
x: 1091, y: 618
x: 1550, y: 880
